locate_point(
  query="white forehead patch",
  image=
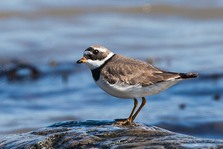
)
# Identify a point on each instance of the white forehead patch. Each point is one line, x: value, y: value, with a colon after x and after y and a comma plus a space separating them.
x: 100, y: 48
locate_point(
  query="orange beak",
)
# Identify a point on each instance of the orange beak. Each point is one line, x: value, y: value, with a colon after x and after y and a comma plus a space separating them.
x: 82, y: 60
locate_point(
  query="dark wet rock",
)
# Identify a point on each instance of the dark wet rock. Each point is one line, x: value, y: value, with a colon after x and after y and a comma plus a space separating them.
x: 217, y: 96
x: 16, y: 70
x: 182, y: 106
x: 104, y: 134
x: 13, y: 74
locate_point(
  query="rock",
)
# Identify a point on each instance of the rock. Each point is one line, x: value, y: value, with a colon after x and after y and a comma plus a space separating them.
x: 104, y: 134
x: 13, y: 73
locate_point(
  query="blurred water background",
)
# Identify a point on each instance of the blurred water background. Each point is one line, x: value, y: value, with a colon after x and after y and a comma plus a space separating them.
x: 49, y: 36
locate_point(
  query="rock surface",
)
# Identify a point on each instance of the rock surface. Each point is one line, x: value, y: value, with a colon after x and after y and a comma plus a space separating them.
x: 104, y: 134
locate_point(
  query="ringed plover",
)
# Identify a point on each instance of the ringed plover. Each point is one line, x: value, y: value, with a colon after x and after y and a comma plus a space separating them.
x: 125, y: 77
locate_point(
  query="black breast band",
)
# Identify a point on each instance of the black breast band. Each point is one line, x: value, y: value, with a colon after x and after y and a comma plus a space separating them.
x: 97, y: 71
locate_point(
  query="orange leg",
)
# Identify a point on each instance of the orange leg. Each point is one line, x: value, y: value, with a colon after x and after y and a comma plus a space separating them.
x: 133, y: 115
x: 140, y: 108
x: 130, y: 119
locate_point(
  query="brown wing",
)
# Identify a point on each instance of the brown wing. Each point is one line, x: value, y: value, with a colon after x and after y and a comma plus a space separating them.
x: 131, y: 72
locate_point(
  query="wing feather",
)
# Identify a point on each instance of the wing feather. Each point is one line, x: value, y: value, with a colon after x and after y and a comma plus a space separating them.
x: 134, y: 72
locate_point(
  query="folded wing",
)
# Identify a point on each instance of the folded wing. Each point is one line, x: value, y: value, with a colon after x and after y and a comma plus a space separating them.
x: 134, y: 72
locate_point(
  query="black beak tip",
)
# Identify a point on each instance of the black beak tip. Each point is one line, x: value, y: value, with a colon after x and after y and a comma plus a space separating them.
x: 79, y: 62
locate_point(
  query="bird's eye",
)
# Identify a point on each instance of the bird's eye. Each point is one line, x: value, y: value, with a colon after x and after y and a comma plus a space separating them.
x: 95, y: 52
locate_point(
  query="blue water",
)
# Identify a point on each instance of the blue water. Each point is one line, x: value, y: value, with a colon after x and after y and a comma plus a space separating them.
x: 174, y: 35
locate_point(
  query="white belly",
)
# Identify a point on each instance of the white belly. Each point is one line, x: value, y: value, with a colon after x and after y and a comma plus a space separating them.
x: 134, y: 91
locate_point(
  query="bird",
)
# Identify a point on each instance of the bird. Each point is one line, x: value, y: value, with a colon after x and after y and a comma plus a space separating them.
x: 128, y: 78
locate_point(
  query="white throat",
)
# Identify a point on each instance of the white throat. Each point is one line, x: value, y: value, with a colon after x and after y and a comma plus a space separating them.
x: 92, y: 64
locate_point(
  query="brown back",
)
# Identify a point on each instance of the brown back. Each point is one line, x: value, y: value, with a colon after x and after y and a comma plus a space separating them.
x: 131, y: 72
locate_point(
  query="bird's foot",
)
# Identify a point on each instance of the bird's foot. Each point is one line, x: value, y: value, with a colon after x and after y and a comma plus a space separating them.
x: 124, y: 122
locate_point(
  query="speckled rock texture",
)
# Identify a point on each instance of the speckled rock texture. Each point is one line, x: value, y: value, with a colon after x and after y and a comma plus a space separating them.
x: 104, y: 134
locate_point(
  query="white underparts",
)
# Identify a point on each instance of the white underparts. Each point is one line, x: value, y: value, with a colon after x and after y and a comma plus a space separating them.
x: 121, y: 90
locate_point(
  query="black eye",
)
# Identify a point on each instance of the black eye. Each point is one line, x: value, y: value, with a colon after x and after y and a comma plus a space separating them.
x: 95, y: 52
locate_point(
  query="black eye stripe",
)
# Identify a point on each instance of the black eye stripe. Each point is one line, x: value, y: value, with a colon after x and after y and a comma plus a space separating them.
x: 95, y: 52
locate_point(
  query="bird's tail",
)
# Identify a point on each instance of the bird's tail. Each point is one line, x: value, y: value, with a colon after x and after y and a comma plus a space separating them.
x: 188, y: 75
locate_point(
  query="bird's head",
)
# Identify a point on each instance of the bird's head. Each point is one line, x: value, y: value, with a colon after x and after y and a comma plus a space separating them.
x: 95, y: 56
